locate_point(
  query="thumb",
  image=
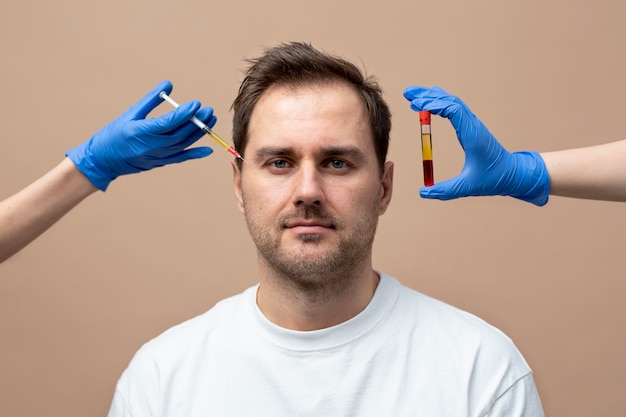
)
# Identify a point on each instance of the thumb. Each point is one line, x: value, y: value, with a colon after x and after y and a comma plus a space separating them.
x: 445, y: 190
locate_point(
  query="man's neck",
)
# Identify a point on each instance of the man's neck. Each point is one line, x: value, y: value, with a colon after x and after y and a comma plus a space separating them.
x: 291, y: 306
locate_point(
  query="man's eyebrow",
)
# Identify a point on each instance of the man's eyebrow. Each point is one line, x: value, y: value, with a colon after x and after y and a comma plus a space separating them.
x: 351, y: 151
x: 270, y: 151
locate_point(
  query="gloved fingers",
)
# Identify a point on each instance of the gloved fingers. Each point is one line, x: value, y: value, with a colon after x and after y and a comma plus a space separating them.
x: 211, y: 121
x: 471, y: 132
x: 174, y: 125
x: 438, y: 102
x: 188, y: 132
x: 183, y: 124
x: 445, y: 190
x: 170, y: 121
x: 435, y: 100
x: 168, y: 142
x: 174, y: 144
x: 206, y: 116
x: 416, y: 92
x: 144, y: 106
x: 193, y: 153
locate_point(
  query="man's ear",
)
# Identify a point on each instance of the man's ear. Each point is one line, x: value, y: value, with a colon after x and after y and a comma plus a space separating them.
x: 237, y: 184
x: 387, y: 187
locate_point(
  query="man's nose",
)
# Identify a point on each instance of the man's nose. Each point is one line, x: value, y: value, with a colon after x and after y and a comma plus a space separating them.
x: 308, y: 186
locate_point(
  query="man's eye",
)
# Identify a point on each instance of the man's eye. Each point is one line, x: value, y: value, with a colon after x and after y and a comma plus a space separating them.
x: 279, y: 163
x: 338, y: 164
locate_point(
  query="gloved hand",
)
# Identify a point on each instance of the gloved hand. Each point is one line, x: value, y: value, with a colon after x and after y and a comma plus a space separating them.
x: 489, y: 168
x: 131, y: 143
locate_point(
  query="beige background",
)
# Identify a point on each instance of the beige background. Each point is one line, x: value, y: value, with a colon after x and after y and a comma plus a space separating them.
x: 160, y: 247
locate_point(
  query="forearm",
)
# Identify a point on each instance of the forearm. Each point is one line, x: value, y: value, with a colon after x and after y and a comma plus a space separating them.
x: 31, y: 211
x: 596, y: 172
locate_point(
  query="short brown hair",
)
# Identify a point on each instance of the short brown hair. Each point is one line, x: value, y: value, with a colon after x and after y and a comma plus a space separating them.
x: 298, y: 63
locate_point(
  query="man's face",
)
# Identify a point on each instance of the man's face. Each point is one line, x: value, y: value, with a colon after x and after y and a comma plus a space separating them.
x: 310, y: 188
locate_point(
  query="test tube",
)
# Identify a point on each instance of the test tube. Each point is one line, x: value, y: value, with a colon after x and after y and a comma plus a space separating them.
x: 427, y: 148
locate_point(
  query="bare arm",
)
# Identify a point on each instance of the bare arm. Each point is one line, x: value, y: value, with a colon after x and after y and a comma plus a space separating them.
x: 595, y: 172
x: 30, y: 212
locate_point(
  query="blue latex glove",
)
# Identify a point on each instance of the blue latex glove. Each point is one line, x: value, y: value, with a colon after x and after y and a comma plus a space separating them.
x: 131, y: 143
x: 489, y: 168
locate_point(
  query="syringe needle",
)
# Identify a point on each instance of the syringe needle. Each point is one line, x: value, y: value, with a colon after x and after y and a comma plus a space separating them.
x: 231, y: 149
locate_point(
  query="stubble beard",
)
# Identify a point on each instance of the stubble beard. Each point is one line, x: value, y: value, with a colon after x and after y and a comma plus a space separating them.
x: 330, y: 273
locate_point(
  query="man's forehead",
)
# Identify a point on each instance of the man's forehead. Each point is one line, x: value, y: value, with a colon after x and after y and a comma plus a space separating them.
x: 320, y: 89
x: 313, y: 85
x: 320, y: 115
x: 306, y: 103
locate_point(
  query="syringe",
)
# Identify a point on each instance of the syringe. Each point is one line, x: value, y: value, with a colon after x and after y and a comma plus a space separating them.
x: 204, y: 127
x: 427, y: 148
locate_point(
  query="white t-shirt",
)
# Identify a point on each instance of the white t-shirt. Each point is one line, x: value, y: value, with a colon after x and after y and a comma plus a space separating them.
x: 406, y: 354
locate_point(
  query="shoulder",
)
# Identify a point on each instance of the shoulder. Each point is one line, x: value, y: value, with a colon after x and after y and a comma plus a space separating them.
x: 190, y: 335
x: 450, y: 325
x: 179, y: 352
x: 451, y: 341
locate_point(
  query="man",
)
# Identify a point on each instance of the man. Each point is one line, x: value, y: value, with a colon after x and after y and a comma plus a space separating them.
x: 323, y: 333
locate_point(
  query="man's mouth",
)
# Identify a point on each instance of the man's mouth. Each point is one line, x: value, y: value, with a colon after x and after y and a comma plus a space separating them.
x: 309, y: 226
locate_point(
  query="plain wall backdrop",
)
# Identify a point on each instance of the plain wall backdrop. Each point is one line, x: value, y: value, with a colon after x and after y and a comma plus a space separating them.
x: 160, y: 247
